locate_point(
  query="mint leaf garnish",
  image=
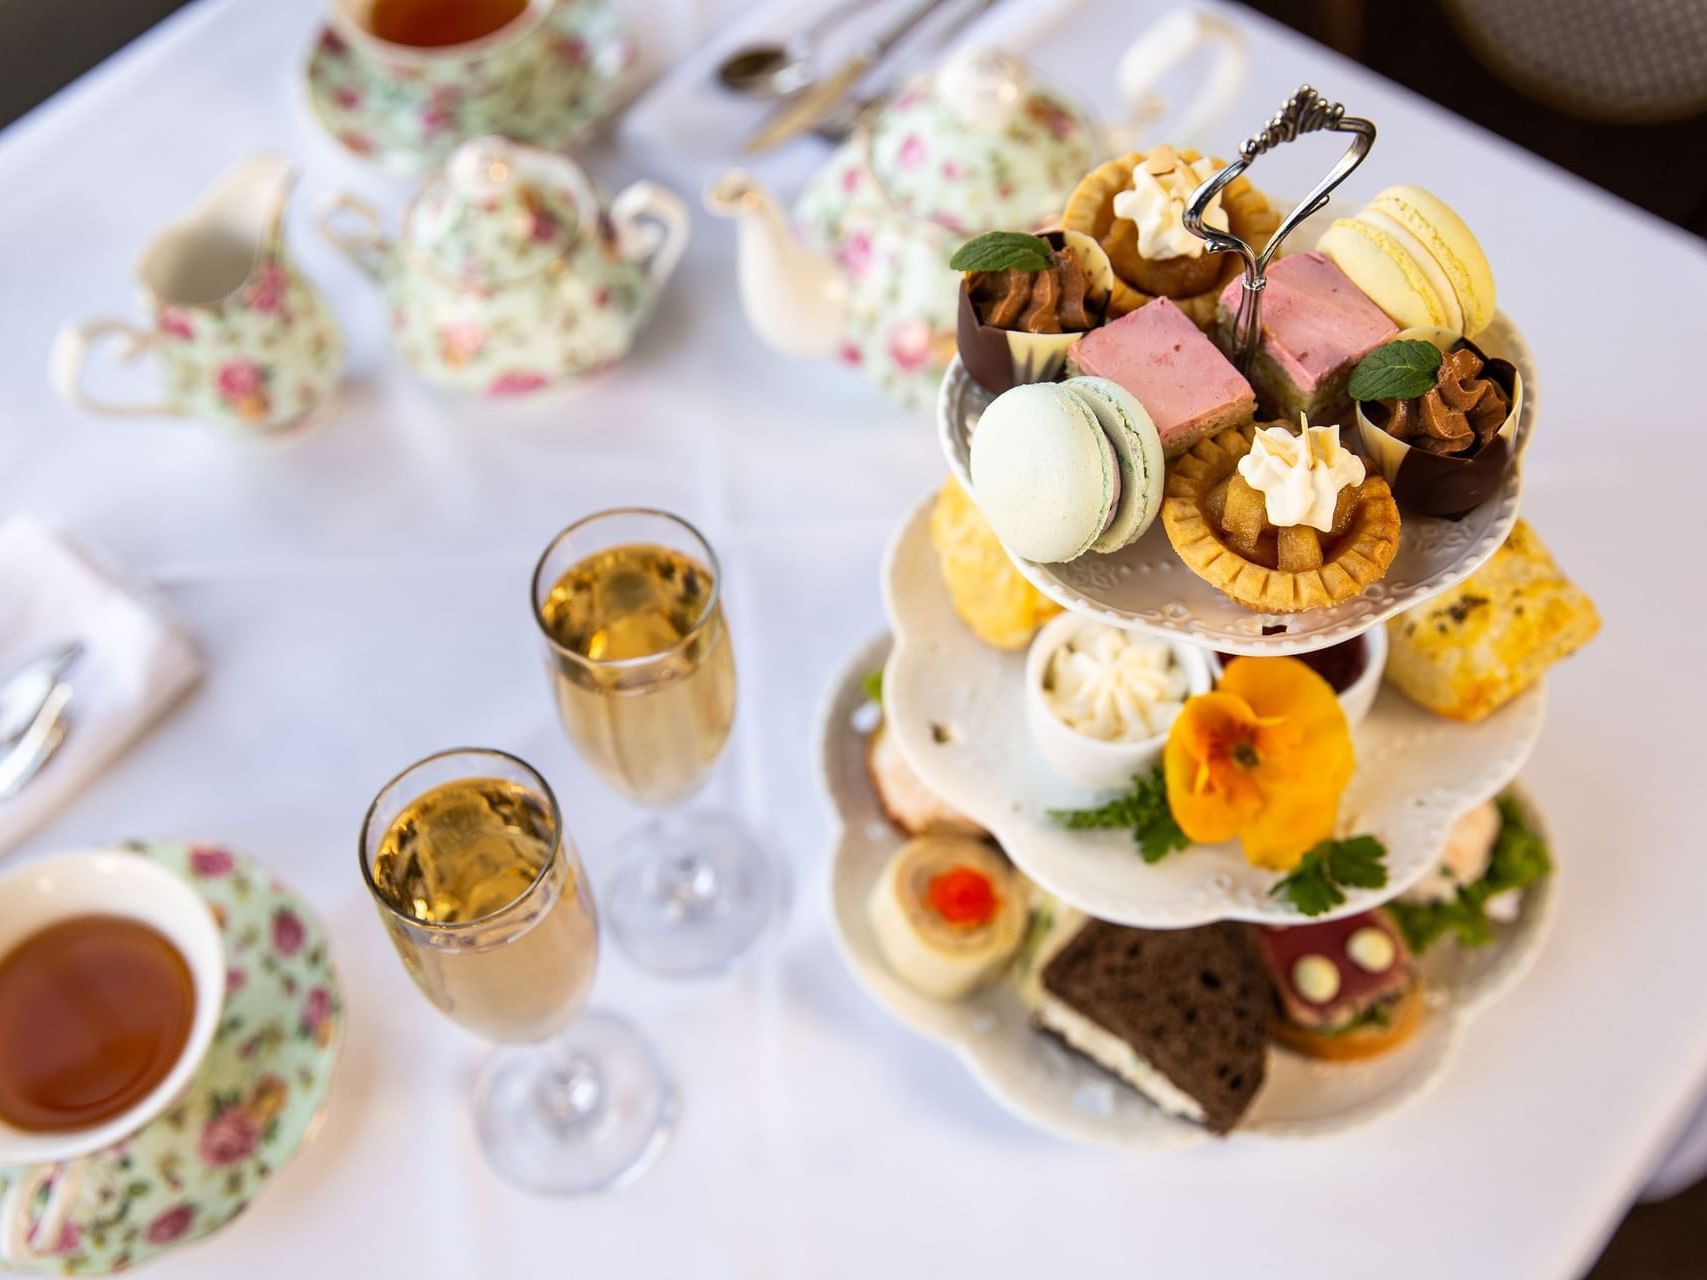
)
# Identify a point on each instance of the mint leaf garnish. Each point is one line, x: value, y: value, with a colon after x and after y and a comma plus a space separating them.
x: 999, y: 250
x: 1396, y: 371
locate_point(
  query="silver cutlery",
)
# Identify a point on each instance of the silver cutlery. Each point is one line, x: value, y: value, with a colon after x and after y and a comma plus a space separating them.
x: 841, y: 121
x: 769, y: 70
x: 806, y: 109
x: 26, y: 686
x: 38, y: 743
x: 33, y: 698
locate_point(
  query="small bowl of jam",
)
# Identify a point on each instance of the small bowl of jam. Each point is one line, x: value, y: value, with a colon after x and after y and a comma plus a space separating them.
x: 1353, y: 667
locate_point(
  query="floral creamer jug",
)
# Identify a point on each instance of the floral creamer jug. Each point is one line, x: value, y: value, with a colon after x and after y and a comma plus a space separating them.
x: 509, y: 275
x: 239, y: 335
x: 976, y: 146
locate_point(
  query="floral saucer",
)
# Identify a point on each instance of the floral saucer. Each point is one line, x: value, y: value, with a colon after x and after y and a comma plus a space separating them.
x: 409, y: 127
x: 256, y: 1099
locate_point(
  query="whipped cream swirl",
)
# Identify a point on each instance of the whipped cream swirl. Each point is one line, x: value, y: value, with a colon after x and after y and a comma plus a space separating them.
x: 1162, y: 187
x: 1300, y: 476
x: 1113, y: 685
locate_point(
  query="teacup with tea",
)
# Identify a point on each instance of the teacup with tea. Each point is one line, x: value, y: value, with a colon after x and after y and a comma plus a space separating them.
x: 112, y: 975
x: 404, y: 81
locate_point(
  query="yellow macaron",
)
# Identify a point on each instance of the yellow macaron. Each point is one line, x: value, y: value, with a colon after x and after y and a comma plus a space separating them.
x: 1416, y: 260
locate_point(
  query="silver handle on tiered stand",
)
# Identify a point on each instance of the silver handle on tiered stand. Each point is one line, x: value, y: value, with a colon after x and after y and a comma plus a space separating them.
x: 1305, y: 112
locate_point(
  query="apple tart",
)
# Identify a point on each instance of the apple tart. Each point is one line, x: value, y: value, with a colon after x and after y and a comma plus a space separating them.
x: 1281, y: 521
x: 1133, y: 205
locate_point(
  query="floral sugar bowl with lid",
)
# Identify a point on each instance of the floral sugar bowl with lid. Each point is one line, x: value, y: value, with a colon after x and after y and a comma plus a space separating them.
x: 973, y: 147
x: 509, y: 274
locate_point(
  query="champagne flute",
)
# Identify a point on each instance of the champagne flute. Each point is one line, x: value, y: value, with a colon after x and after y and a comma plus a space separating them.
x: 640, y: 660
x: 484, y: 897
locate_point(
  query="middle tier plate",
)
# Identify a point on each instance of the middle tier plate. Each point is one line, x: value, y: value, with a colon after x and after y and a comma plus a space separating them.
x: 956, y: 709
x: 1146, y: 587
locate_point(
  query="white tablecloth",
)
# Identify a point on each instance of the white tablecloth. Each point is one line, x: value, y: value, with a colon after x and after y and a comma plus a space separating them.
x: 360, y: 595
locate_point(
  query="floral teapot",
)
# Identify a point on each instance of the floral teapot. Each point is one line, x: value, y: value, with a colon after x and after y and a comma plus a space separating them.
x: 509, y: 275
x: 977, y: 146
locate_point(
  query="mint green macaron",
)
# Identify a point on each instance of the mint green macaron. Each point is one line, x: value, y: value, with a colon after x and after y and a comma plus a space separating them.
x: 1044, y: 472
x: 1059, y: 469
x: 1138, y: 452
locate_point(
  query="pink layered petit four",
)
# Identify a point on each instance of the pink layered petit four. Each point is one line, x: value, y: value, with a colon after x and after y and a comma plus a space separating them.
x: 1316, y: 326
x: 1188, y: 387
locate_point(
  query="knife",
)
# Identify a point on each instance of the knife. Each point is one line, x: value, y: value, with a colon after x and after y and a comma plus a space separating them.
x: 840, y: 121
x: 801, y: 113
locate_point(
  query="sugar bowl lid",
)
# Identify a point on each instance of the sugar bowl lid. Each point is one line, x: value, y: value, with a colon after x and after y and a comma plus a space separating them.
x: 497, y: 211
x: 980, y: 146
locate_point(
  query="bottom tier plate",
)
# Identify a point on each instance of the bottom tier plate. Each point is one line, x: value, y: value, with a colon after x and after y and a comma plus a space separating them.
x: 1057, y: 1091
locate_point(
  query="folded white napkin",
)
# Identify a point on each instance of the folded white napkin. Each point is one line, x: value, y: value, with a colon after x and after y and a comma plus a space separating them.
x: 136, y: 661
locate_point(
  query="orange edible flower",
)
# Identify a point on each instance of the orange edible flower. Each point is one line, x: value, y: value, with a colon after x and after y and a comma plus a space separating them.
x: 1265, y: 757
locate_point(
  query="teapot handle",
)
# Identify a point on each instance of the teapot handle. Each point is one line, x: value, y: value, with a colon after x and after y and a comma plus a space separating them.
x: 368, y: 247
x: 71, y: 352
x: 652, y: 226
x: 1162, y: 48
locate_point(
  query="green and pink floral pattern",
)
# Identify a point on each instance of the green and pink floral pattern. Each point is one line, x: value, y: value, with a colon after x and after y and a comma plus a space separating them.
x: 933, y: 170
x: 548, y: 87
x: 252, y: 1104
x: 260, y: 359
x: 503, y: 287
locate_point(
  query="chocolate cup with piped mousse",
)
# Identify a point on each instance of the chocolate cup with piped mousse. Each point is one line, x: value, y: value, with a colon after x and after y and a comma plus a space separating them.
x: 1449, y: 450
x: 1015, y: 326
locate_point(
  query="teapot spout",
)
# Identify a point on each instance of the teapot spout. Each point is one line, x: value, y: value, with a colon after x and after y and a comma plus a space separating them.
x: 793, y: 296
x: 215, y: 248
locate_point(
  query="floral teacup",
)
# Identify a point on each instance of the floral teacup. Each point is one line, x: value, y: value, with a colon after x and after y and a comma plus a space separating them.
x: 241, y: 338
x: 256, y: 1099
x: 546, y: 76
x: 104, y: 883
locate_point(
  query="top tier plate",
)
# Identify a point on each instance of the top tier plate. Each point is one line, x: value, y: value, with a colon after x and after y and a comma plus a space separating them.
x: 1146, y: 587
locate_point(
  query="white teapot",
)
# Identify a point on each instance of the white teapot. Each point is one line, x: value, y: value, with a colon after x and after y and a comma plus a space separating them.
x: 977, y: 146
x: 509, y: 275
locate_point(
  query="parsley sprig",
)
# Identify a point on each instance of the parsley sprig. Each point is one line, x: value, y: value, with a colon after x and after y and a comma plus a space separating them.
x: 1317, y: 884
x: 1143, y: 810
x: 1518, y: 860
x: 872, y: 685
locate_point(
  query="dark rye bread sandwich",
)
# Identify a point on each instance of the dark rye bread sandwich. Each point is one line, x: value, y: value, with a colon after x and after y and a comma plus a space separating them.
x: 1182, y: 1015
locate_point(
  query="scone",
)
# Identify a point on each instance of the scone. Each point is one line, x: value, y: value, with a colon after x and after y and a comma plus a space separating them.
x: 1469, y: 651
x: 1002, y: 608
x: 1303, y: 528
x: 1132, y: 207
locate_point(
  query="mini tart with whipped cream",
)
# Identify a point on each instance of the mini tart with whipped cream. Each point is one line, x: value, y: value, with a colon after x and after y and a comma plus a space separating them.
x: 1133, y: 205
x: 1281, y: 522
x: 948, y: 913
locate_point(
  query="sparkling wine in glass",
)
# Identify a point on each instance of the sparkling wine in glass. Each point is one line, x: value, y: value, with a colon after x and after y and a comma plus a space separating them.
x: 483, y: 895
x: 641, y: 663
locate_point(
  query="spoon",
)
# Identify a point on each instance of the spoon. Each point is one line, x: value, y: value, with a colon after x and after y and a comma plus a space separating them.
x: 770, y: 70
x: 37, y: 744
x: 26, y: 688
